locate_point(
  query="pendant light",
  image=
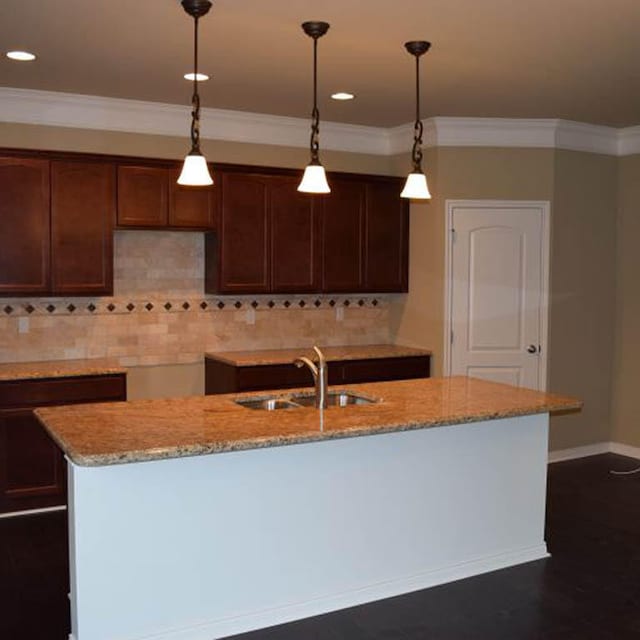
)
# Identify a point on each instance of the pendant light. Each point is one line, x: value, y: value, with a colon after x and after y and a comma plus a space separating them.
x: 416, y: 185
x: 195, y: 171
x: 314, y: 179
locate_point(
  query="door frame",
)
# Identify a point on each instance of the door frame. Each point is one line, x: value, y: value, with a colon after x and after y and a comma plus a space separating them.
x: 545, y: 208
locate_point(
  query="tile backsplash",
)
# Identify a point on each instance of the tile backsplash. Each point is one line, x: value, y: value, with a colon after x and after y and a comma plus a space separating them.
x: 159, y: 313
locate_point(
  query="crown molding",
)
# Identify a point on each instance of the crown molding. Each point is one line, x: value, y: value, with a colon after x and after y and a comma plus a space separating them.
x: 114, y: 114
x: 629, y: 141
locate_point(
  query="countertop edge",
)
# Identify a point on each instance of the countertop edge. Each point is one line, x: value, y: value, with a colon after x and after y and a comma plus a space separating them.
x: 229, y: 446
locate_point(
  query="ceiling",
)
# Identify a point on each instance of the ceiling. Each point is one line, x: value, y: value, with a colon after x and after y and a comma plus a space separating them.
x: 573, y: 59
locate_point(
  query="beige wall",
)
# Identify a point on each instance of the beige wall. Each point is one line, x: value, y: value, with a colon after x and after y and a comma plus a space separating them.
x: 582, y: 190
x: 582, y: 314
x: 626, y: 376
x: 457, y: 173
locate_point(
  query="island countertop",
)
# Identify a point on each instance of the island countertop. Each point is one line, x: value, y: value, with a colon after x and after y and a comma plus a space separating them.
x: 255, y: 357
x: 144, y: 430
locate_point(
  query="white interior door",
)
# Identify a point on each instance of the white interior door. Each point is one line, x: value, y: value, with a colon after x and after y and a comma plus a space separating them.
x: 497, y: 279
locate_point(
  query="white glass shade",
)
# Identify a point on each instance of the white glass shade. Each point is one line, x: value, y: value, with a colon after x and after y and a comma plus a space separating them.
x: 416, y: 187
x: 195, y: 172
x: 314, y: 180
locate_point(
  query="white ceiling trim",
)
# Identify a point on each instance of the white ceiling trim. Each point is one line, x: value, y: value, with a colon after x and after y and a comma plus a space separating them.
x: 114, y: 114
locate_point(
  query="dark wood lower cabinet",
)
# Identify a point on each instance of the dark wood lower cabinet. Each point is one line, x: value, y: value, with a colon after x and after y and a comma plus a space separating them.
x: 222, y: 377
x: 32, y: 467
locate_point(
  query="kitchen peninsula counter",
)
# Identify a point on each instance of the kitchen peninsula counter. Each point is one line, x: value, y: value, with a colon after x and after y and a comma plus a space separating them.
x: 105, y: 434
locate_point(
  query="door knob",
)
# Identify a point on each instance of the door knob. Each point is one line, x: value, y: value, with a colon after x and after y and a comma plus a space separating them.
x: 532, y: 348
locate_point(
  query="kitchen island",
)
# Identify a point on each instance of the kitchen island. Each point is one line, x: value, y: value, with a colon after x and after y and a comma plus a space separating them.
x: 197, y: 518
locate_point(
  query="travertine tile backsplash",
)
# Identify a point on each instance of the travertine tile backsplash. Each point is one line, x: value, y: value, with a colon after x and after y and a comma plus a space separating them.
x: 160, y: 315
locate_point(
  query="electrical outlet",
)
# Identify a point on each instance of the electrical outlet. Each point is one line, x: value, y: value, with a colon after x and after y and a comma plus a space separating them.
x: 23, y: 325
x: 339, y: 314
x: 250, y: 316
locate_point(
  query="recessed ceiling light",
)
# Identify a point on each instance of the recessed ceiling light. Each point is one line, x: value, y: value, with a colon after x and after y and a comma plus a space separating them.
x: 201, y: 77
x: 342, y: 95
x: 23, y: 56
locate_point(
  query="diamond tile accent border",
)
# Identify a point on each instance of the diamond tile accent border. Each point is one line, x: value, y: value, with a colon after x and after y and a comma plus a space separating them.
x: 211, y: 304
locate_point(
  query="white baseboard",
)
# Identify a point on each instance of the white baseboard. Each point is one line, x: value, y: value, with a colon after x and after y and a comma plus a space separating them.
x: 30, y: 512
x: 262, y: 619
x: 625, y: 450
x: 579, y: 452
x: 594, y: 450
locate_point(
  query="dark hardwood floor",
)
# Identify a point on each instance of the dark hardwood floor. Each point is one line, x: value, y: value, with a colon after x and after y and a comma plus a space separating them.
x: 588, y: 590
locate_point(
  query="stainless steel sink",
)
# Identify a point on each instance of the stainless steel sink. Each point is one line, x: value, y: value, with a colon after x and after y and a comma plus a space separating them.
x: 267, y: 404
x: 299, y: 400
x: 334, y: 399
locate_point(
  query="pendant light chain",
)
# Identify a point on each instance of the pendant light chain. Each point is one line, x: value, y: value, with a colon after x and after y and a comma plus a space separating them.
x: 195, y: 100
x: 195, y: 170
x: 315, y: 114
x: 416, y: 152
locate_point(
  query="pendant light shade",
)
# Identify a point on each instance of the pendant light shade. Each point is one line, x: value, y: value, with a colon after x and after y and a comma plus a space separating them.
x: 195, y: 171
x: 416, y: 185
x: 314, y: 179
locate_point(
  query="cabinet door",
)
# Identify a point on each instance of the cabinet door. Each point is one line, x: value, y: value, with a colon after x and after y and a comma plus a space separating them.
x: 191, y: 207
x: 143, y: 196
x: 32, y: 470
x: 243, y: 234
x: 24, y: 226
x: 386, y: 238
x: 342, y: 236
x: 294, y: 237
x: 83, y: 201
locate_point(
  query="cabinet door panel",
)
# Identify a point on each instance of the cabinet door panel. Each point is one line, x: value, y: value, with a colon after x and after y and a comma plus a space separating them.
x: 378, y: 369
x: 31, y: 464
x: 82, y: 213
x: 386, y: 238
x: 24, y: 227
x: 191, y: 207
x: 294, y: 238
x: 342, y: 236
x: 243, y: 243
x: 142, y: 196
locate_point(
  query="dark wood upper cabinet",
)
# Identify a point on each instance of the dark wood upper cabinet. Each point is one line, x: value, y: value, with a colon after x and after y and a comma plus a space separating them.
x: 143, y: 196
x: 83, y: 202
x: 191, y: 207
x: 243, y: 242
x: 343, y: 212
x: 386, y: 238
x: 295, y: 246
x: 150, y: 198
x: 24, y: 226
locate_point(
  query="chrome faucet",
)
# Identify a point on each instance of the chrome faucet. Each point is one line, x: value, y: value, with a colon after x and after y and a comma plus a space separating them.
x: 320, y: 376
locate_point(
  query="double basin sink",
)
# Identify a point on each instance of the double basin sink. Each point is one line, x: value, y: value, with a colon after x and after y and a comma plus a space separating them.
x: 298, y: 400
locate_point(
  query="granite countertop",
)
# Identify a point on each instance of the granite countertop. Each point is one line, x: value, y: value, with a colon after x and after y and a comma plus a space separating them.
x: 284, y: 356
x: 58, y: 369
x: 114, y: 433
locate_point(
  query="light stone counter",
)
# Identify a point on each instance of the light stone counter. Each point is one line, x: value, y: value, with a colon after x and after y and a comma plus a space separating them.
x: 286, y: 356
x: 59, y: 369
x: 107, y: 434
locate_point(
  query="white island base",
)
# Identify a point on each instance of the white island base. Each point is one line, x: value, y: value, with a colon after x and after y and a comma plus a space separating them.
x: 208, y: 546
